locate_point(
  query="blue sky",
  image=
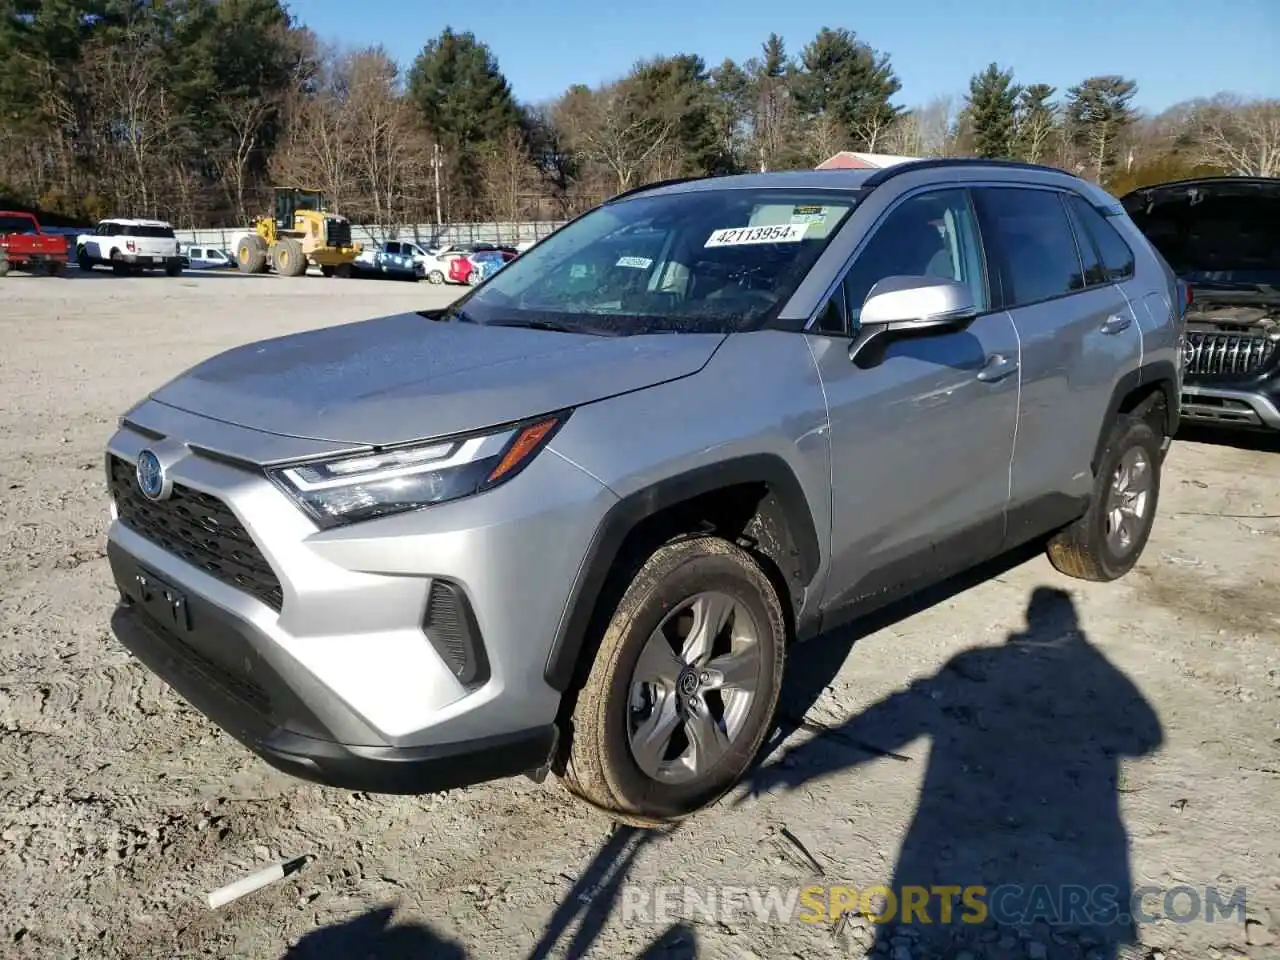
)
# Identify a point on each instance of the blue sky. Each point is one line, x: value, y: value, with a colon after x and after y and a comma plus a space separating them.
x: 1175, y: 49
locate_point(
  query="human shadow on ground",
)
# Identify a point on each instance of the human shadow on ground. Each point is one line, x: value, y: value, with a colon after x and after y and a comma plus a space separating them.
x: 374, y: 936
x: 1021, y: 792
x: 588, y: 904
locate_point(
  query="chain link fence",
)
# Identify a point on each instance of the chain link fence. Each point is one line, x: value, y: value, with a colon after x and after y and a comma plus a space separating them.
x: 423, y: 234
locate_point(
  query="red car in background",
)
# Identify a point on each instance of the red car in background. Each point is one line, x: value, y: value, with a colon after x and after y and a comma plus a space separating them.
x: 461, y: 268
x: 25, y: 246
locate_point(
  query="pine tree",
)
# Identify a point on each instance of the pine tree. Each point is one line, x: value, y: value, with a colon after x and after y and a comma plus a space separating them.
x: 991, y: 111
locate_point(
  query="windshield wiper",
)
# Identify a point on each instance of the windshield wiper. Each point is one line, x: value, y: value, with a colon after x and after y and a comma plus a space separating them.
x: 545, y: 325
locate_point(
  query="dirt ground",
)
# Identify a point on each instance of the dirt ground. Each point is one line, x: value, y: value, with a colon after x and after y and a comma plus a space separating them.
x: 1137, y: 721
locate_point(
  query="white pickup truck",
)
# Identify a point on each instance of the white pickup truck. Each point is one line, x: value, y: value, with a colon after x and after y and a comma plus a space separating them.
x: 129, y: 246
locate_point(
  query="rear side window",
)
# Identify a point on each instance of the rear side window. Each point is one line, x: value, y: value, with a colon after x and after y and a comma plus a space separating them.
x: 1036, y: 244
x: 161, y: 233
x: 1117, y: 258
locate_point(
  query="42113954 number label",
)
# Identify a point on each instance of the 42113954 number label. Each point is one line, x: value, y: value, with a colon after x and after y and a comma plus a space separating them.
x: 739, y: 236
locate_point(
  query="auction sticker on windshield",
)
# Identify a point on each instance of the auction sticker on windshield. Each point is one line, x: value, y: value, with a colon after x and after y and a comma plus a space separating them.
x: 739, y: 236
x: 640, y: 263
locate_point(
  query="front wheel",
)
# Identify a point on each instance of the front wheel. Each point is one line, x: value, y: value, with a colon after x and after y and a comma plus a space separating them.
x: 435, y: 276
x: 681, y: 692
x: 1107, y: 541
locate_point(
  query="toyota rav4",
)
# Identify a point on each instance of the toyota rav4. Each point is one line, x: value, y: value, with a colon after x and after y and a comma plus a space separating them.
x: 577, y: 521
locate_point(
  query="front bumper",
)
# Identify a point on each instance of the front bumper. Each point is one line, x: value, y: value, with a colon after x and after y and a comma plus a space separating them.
x: 213, y: 661
x: 1249, y: 409
x: 321, y: 650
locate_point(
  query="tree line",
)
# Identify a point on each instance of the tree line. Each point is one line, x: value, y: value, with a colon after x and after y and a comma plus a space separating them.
x: 190, y: 110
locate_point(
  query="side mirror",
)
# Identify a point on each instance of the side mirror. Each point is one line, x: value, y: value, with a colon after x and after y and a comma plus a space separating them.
x: 917, y: 303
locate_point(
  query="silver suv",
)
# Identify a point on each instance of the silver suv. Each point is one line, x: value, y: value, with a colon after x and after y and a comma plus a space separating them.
x: 578, y: 520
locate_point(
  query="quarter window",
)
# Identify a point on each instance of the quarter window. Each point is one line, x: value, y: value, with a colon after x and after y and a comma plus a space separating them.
x: 1117, y: 258
x: 1038, y: 248
x: 1094, y: 273
x: 927, y: 235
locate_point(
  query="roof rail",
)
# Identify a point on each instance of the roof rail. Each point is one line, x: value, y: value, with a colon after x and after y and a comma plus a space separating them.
x: 932, y: 163
x: 654, y: 186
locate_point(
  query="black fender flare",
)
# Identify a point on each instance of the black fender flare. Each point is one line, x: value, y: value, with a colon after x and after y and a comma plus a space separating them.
x: 625, y: 515
x: 1159, y: 372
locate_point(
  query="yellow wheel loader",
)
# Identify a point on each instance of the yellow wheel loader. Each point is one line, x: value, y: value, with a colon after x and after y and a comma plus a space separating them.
x: 301, y: 232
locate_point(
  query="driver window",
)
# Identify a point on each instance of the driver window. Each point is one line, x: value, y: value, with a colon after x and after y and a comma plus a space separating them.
x: 928, y: 235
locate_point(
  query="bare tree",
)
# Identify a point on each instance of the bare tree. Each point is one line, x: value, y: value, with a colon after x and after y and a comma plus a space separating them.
x: 607, y: 127
x: 245, y: 118
x: 319, y: 148
x: 905, y: 137
x: 871, y: 132
x: 825, y: 137
x: 125, y: 80
x: 1241, y: 136
x: 509, y: 177
x: 391, y: 146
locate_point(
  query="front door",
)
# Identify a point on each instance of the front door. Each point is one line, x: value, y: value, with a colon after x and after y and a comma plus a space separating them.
x: 921, y: 441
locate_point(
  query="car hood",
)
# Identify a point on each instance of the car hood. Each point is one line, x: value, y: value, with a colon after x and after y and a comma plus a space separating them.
x: 402, y: 378
x: 1219, y: 229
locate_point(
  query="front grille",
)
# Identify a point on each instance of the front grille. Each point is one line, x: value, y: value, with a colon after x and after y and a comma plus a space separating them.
x: 200, y: 529
x: 1216, y: 353
x: 337, y: 233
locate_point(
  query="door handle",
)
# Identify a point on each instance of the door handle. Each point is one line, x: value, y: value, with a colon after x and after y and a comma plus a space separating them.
x: 1117, y: 323
x: 997, y: 368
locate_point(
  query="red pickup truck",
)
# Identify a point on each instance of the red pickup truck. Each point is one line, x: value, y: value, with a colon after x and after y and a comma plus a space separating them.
x: 24, y: 246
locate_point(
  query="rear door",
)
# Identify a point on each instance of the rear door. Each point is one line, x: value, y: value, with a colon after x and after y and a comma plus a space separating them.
x: 1078, y: 337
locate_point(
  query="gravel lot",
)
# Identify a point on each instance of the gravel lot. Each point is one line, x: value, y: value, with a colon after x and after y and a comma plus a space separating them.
x: 1147, y: 736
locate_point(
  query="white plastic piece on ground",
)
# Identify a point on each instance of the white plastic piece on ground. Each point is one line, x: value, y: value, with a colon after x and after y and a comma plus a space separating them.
x: 246, y: 885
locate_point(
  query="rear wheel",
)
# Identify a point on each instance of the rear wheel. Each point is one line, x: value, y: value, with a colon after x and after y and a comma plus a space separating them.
x: 4, y: 265
x: 342, y: 271
x: 55, y: 268
x: 173, y: 269
x: 435, y: 276
x: 326, y: 271
x: 83, y: 260
x: 681, y: 692
x: 1107, y: 541
x: 251, y: 254
x: 118, y: 266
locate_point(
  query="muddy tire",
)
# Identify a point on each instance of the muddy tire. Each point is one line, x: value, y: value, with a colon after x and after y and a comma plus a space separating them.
x: 1107, y: 541
x: 251, y: 254
x: 684, y: 685
x: 83, y: 260
x: 287, y: 258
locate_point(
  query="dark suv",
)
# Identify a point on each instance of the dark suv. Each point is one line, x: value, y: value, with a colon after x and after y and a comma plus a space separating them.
x: 1221, y: 235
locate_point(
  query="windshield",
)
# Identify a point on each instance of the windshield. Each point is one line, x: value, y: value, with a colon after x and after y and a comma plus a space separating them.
x: 16, y: 225
x: 699, y: 262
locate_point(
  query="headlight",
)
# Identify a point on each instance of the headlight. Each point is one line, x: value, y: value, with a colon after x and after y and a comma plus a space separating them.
x: 393, y: 480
